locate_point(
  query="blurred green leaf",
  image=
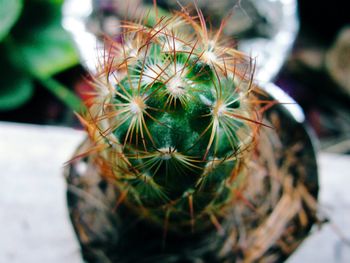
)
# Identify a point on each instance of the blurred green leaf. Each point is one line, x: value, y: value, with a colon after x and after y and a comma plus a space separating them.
x: 48, y: 52
x: 9, y: 13
x: 43, y: 44
x: 36, y: 47
x: 14, y: 92
x: 16, y: 87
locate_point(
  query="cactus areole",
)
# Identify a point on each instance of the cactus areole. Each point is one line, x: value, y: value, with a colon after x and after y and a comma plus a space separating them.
x: 173, y: 120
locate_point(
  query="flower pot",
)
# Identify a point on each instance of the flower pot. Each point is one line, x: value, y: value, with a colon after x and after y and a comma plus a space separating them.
x: 270, y: 217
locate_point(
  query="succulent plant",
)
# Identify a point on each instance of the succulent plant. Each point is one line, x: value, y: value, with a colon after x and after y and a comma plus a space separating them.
x: 177, y: 144
x: 173, y: 120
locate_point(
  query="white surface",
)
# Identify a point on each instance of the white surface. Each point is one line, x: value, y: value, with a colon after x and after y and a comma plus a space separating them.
x: 326, y: 245
x: 34, y: 224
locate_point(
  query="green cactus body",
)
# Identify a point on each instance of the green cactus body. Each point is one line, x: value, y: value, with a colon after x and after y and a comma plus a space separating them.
x: 173, y: 120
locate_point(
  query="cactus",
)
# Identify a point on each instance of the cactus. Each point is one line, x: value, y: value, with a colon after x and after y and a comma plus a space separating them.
x: 173, y: 120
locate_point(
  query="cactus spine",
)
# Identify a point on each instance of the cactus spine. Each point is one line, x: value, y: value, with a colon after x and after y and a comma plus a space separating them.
x: 173, y: 120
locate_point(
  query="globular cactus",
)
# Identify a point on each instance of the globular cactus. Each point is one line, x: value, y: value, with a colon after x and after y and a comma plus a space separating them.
x: 173, y: 120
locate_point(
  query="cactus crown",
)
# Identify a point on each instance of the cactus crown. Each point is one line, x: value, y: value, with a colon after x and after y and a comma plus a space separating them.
x: 173, y: 119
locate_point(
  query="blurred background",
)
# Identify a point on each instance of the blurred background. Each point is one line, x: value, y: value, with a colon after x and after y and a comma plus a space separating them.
x: 43, y: 80
x: 39, y: 62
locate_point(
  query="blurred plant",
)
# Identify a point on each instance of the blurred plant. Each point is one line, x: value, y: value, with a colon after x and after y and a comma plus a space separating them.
x: 33, y: 47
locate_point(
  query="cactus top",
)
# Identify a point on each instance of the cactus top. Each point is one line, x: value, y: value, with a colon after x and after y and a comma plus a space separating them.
x: 173, y: 118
